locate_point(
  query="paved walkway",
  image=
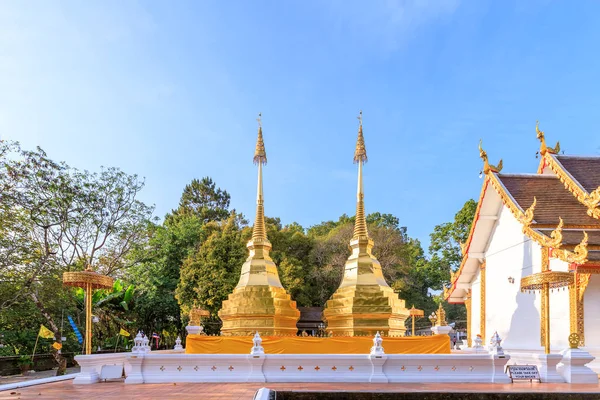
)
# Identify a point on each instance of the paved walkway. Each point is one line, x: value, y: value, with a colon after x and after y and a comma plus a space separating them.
x: 245, y: 391
x: 34, y: 375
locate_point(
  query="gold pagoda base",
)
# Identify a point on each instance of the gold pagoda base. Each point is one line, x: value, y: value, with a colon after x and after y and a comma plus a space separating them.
x: 267, y: 310
x: 360, y: 310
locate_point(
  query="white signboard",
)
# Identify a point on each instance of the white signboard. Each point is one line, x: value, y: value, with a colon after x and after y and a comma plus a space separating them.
x: 523, y: 372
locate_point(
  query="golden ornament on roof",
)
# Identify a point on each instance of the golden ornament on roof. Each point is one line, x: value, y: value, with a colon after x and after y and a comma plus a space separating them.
x: 543, y: 147
x: 487, y: 167
x: 580, y: 253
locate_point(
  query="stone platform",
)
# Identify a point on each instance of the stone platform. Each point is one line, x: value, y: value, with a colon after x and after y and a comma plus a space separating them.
x: 246, y: 391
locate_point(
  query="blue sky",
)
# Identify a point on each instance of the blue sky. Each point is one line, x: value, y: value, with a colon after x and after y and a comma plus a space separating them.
x: 171, y: 90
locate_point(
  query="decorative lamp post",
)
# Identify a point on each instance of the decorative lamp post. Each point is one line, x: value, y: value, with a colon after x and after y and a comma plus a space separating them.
x: 415, y: 313
x: 544, y: 281
x: 88, y: 280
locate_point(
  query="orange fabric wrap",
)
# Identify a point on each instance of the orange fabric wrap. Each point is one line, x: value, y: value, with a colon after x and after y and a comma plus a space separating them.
x: 197, y: 344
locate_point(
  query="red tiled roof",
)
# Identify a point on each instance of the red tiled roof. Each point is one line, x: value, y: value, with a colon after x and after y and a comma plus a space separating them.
x: 585, y: 170
x: 553, y: 200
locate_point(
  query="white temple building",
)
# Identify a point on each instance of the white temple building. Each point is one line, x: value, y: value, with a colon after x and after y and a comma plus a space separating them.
x: 534, y: 224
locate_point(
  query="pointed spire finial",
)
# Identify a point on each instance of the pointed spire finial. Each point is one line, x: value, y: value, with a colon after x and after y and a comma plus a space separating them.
x: 360, y: 153
x: 260, y: 155
x: 259, y: 231
x: 360, y: 156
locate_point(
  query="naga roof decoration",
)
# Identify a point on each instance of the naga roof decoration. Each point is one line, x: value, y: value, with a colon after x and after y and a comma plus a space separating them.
x: 543, y: 148
x: 553, y: 217
x: 579, y: 175
x: 487, y: 167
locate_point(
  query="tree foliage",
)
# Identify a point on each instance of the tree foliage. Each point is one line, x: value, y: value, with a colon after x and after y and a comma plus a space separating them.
x: 54, y: 218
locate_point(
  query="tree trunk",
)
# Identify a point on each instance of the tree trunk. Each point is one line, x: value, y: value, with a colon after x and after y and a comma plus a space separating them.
x: 60, y: 360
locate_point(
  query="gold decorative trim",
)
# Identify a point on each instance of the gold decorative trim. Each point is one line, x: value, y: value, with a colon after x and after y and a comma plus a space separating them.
x: 540, y: 238
x: 573, y: 309
x: 545, y: 264
x: 589, y: 200
x: 587, y: 270
x: 579, y: 254
x: 569, y: 227
x: 468, y: 307
x: 482, y: 300
x: 582, y: 282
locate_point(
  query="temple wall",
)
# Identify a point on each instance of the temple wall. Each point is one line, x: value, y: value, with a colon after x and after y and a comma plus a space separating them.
x: 515, y: 315
x: 560, y: 326
x: 591, y: 304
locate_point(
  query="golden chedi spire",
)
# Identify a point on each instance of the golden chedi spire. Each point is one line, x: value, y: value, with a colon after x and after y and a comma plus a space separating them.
x: 360, y: 157
x: 259, y: 232
x: 364, y: 303
x: 259, y: 302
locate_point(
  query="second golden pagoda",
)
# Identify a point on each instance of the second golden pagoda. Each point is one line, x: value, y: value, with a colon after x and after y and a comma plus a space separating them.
x: 364, y: 303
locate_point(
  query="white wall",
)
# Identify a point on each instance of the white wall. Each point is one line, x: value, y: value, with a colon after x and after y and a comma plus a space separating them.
x: 560, y: 326
x: 591, y: 305
x: 591, y: 308
x: 513, y: 314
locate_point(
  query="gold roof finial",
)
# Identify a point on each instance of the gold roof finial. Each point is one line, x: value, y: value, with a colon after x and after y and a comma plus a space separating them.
x: 360, y: 156
x: 487, y: 167
x: 260, y: 155
x: 360, y: 153
x: 259, y: 231
x: 543, y: 147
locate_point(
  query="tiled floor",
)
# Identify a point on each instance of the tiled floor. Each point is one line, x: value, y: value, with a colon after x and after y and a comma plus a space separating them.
x: 229, y: 391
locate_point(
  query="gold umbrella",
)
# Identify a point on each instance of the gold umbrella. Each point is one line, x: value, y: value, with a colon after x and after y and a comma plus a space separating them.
x: 415, y: 313
x: 545, y: 281
x: 88, y: 280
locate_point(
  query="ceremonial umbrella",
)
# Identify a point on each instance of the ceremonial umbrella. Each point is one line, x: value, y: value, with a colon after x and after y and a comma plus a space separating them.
x: 88, y: 280
x: 415, y: 313
x: 544, y: 281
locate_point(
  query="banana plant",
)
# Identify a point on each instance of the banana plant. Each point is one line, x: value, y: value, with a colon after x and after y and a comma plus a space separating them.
x: 111, y: 307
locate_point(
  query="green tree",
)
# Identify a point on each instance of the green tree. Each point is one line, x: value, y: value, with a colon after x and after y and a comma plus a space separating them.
x: 158, y: 275
x: 204, y: 199
x: 446, y: 253
x: 210, y: 274
x: 56, y: 219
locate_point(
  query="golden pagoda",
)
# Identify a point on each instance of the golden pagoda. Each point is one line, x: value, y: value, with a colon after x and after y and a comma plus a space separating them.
x: 259, y: 302
x: 364, y: 303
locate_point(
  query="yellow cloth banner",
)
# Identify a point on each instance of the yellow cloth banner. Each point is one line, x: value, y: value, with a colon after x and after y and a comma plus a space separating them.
x: 57, y: 345
x: 123, y: 332
x: 199, y: 344
x: 45, y: 333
